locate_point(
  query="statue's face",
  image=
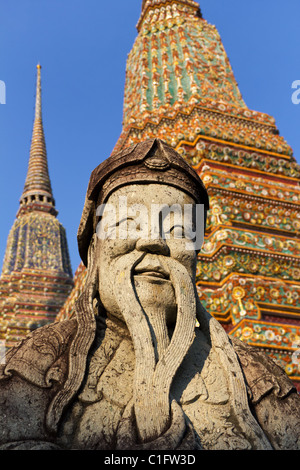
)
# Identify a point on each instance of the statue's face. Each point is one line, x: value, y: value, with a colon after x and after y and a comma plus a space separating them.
x: 135, y: 225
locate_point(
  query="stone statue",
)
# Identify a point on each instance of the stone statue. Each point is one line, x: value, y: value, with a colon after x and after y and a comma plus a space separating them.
x: 142, y: 365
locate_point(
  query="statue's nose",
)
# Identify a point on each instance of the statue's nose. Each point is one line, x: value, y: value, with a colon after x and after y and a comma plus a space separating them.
x: 155, y: 246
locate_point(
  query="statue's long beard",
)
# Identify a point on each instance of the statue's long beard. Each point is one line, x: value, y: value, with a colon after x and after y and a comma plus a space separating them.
x: 154, y: 373
x: 159, y: 420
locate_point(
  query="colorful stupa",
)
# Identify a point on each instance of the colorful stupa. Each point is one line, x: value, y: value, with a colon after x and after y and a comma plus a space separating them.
x: 180, y: 87
x: 36, y: 277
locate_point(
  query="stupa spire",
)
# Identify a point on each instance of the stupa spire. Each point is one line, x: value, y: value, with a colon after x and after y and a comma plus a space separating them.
x: 37, y: 193
x: 166, y: 7
x: 36, y: 276
x: 177, y: 62
x: 38, y: 96
x: 151, y: 3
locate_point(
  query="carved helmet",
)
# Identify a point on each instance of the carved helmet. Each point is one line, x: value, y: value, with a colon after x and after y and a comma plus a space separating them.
x: 151, y: 161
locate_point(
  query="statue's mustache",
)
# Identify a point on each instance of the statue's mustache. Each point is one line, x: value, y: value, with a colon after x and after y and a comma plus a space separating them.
x: 151, y: 267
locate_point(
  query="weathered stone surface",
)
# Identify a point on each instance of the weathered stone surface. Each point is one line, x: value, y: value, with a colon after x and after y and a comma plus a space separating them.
x: 142, y: 365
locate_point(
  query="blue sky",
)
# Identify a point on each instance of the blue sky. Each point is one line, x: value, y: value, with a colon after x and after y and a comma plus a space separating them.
x: 82, y: 47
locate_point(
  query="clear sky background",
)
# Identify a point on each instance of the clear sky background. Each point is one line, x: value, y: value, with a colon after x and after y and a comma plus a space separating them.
x: 82, y: 47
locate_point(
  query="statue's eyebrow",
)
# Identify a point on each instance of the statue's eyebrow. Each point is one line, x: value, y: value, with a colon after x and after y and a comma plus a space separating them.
x: 123, y: 219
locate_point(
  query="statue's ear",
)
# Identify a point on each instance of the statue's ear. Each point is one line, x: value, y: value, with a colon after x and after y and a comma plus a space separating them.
x: 91, y: 251
x: 93, y: 274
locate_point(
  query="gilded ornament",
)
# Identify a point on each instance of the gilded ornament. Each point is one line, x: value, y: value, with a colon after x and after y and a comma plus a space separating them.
x: 229, y: 261
x: 247, y: 333
x: 289, y: 369
x: 270, y: 335
x: 247, y: 216
x: 274, y: 293
x: 276, y: 268
x: 249, y: 305
x: 222, y: 235
x: 208, y: 179
x: 238, y: 293
x: 208, y: 247
x: 296, y: 274
x: 253, y: 266
x: 217, y: 275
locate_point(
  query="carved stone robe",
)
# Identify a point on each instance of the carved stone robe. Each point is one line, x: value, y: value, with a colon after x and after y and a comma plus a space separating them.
x: 63, y: 390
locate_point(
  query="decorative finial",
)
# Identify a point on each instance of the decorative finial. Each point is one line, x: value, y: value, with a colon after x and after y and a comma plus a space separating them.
x: 157, y: 158
x: 37, y: 191
x: 38, y: 97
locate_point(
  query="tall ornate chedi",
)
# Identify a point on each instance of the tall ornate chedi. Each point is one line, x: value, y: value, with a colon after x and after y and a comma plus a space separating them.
x: 36, y: 277
x: 180, y: 87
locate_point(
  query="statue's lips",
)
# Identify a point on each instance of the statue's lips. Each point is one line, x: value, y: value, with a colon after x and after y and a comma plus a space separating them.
x: 156, y: 272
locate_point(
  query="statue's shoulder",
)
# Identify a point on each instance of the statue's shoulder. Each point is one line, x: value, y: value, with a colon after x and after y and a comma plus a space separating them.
x: 42, y: 357
x: 262, y: 374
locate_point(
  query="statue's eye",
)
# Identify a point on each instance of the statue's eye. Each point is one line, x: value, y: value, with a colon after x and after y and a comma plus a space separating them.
x: 125, y: 222
x: 123, y: 225
x: 129, y: 228
x: 177, y: 231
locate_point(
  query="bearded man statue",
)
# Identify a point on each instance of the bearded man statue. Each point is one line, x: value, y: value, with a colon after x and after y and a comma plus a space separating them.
x: 142, y: 365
